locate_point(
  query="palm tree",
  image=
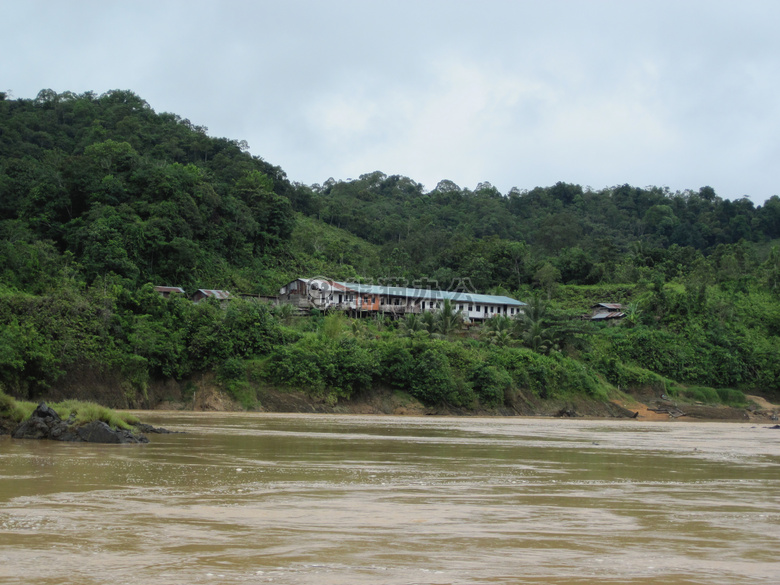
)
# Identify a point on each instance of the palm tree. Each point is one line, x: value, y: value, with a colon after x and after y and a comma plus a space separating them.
x: 448, y: 320
x: 284, y: 312
x: 428, y: 321
x: 498, y: 331
x: 542, y: 331
x: 533, y: 328
x: 538, y: 337
x: 410, y: 324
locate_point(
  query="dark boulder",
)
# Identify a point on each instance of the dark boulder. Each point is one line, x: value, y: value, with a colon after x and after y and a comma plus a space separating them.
x: 99, y: 432
x: 44, y: 423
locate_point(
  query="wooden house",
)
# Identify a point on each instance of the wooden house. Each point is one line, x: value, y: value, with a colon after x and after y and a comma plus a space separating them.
x: 606, y: 311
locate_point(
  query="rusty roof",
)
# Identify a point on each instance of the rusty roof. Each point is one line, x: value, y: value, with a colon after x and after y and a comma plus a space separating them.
x: 169, y: 289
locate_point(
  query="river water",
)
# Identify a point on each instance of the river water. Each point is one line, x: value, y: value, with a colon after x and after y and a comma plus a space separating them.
x: 321, y: 499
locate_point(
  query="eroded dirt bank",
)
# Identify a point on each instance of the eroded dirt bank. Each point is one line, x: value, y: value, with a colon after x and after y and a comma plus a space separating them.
x: 204, y: 393
x: 387, y: 401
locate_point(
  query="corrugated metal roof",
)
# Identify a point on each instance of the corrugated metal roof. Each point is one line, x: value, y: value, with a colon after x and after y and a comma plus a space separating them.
x: 169, y: 289
x: 221, y: 295
x: 430, y: 294
x: 611, y: 306
x: 610, y: 315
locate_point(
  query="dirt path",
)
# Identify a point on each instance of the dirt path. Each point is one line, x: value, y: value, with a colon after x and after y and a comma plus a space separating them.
x: 763, y: 403
x: 765, y: 411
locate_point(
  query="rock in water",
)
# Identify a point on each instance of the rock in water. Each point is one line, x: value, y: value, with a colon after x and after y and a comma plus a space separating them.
x: 99, y: 432
x: 145, y: 428
x: 45, y: 423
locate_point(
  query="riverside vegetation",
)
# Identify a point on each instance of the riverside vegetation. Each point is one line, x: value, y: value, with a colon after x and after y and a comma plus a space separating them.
x: 101, y: 197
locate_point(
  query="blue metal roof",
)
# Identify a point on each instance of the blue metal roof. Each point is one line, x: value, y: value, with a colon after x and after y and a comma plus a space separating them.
x: 427, y: 294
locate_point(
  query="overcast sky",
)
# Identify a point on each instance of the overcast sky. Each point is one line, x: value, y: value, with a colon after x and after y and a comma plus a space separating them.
x: 521, y: 94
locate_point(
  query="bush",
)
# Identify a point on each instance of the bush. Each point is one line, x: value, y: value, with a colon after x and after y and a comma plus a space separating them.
x: 396, y: 364
x: 490, y: 383
x: 339, y: 367
x: 432, y: 378
x: 630, y: 377
x: 551, y: 376
x: 231, y: 369
x: 297, y: 367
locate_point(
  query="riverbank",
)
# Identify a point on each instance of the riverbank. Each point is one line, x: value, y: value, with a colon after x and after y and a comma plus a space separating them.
x: 204, y: 392
x: 385, y: 401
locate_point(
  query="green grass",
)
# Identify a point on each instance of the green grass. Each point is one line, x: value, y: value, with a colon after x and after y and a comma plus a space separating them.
x: 87, y: 412
x: 16, y: 410
x: 707, y: 395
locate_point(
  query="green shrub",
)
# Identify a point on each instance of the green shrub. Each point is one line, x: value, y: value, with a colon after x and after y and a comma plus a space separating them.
x: 629, y: 376
x: 551, y: 376
x: 320, y: 366
x: 490, y: 383
x: 432, y: 379
x: 296, y: 367
x: 231, y: 369
x: 396, y: 364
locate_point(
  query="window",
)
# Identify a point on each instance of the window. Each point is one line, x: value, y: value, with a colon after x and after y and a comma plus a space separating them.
x: 479, y: 309
x: 423, y: 304
x: 471, y: 307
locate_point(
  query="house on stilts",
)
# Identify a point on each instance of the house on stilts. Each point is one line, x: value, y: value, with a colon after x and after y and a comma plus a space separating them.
x: 369, y: 299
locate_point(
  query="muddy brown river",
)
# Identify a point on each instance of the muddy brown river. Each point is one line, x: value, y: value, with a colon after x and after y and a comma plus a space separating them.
x: 320, y: 499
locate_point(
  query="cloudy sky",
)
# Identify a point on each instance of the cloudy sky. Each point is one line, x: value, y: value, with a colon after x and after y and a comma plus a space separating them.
x: 518, y: 93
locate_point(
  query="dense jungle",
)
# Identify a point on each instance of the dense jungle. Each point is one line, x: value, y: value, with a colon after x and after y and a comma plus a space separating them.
x: 101, y: 198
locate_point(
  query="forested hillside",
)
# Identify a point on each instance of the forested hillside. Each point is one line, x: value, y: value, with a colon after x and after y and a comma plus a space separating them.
x: 100, y: 196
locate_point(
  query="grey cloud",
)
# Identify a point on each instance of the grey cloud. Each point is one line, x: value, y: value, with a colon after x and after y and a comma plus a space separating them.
x: 515, y: 93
